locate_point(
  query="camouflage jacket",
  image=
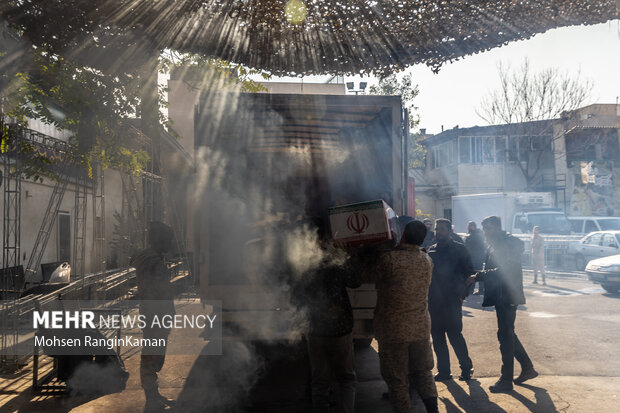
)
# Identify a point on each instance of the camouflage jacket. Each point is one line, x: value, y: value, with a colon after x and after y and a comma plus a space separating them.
x: 323, y: 293
x: 402, y: 277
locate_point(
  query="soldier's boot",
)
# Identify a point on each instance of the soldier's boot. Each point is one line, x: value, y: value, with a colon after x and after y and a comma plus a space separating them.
x: 431, y: 405
x: 155, y: 402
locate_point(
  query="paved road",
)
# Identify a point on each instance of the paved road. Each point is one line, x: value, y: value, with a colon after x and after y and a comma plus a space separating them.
x: 570, y: 327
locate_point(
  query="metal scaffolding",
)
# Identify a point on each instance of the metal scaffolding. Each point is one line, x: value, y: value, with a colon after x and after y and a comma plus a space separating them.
x: 12, y: 273
x: 99, y: 247
x: 49, y: 217
x: 78, y: 267
x: 61, y: 151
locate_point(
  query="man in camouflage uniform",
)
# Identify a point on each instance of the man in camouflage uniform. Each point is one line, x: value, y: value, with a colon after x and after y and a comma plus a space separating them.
x: 156, y: 300
x: 402, y: 324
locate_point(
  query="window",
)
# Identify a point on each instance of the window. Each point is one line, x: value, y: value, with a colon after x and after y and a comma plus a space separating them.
x: 576, y: 225
x: 523, y: 148
x: 609, y: 224
x: 476, y: 150
x: 488, y: 150
x: 444, y: 154
x: 500, y: 149
x: 64, y: 236
x: 590, y: 226
x: 464, y: 150
x: 482, y: 149
x: 593, y: 239
x: 609, y: 241
x: 453, y: 148
x: 513, y: 149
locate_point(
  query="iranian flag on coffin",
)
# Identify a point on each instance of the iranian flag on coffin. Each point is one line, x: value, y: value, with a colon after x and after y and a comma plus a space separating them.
x: 361, y: 224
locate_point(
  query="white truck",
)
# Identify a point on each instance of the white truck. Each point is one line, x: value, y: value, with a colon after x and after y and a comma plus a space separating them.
x: 267, y: 165
x: 520, y: 212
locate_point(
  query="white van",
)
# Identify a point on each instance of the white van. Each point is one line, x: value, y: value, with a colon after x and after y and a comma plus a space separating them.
x: 585, y: 225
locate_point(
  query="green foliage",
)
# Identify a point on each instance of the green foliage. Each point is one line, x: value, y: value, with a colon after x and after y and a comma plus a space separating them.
x: 417, y: 151
x: 98, y: 108
x: 93, y: 106
x: 208, y: 73
x: 408, y: 91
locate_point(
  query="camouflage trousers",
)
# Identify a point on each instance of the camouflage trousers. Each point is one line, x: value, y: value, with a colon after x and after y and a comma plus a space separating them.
x: 404, y: 362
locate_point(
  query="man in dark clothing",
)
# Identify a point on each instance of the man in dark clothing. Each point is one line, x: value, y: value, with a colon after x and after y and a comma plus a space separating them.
x: 477, y: 250
x: 429, y: 239
x: 451, y: 268
x: 156, y: 300
x: 323, y: 292
x: 503, y: 278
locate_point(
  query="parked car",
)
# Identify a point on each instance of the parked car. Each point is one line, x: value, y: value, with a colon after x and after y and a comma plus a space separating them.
x: 595, y: 245
x: 605, y: 271
x: 586, y: 225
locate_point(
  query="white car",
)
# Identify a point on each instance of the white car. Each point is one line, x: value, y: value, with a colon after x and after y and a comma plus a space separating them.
x: 585, y: 225
x: 605, y: 271
x: 595, y: 245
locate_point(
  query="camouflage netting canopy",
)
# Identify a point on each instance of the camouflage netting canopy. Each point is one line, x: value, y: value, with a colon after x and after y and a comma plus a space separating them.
x: 295, y: 37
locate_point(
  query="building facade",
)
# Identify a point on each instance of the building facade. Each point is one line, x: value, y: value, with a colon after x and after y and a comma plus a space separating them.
x: 574, y: 157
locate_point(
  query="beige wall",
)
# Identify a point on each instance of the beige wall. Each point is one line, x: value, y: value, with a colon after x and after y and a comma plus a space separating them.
x: 182, y: 99
x: 113, y: 203
x: 598, y: 110
x: 35, y: 197
x: 476, y: 179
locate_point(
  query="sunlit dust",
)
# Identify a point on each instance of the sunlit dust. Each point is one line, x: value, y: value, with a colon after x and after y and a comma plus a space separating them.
x: 295, y: 12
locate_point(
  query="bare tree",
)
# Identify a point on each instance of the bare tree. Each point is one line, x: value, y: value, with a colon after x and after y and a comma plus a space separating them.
x: 528, y: 101
x: 525, y: 96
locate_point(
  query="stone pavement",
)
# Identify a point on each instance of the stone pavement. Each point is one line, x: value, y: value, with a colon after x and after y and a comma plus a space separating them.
x: 542, y: 394
x: 574, y: 352
x: 545, y: 393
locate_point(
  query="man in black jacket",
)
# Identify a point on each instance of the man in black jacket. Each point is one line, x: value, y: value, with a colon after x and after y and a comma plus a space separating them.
x: 323, y: 294
x: 503, y: 278
x: 477, y: 250
x: 451, y: 268
x: 156, y: 301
